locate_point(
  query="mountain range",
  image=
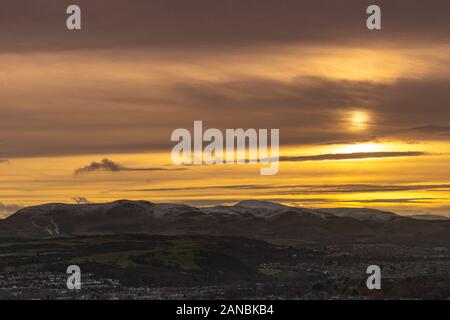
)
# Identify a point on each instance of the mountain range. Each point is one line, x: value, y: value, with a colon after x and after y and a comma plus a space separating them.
x: 250, y: 218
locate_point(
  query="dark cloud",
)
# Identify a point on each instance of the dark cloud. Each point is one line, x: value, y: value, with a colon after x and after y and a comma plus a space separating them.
x: 237, y: 187
x: 115, y: 114
x: 309, y: 110
x: 413, y: 101
x: 31, y: 25
x: 111, y: 166
x: 104, y: 165
x: 400, y: 200
x: 258, y: 92
x: 363, y: 188
x: 401, y: 102
x: 444, y: 130
x: 308, y: 103
x: 310, y: 189
x: 355, y: 155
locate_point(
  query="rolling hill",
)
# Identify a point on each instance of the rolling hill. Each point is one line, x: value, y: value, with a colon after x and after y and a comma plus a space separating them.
x: 251, y: 218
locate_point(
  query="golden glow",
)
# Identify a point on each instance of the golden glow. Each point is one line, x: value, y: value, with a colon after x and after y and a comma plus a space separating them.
x: 359, y: 119
x: 361, y: 147
x: 29, y: 182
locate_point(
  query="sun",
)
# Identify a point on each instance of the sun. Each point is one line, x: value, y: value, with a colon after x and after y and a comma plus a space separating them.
x: 359, y: 119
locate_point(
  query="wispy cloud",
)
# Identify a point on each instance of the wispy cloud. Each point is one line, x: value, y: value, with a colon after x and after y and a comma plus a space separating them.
x: 355, y: 155
x: 361, y: 201
x: 433, y: 129
x: 350, y: 188
x: 309, y: 189
x: 111, y: 166
x: 237, y: 187
x: 371, y: 139
x: 341, y: 156
x: 399, y: 200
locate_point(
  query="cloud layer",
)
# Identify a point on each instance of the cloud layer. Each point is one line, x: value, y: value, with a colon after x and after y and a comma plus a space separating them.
x: 354, y: 155
x: 306, y: 110
x: 31, y: 25
x: 313, y: 189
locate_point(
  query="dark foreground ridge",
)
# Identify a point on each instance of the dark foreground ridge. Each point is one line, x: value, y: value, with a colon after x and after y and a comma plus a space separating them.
x: 208, y: 267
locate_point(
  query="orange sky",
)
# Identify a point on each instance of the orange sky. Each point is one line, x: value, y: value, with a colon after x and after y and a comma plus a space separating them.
x: 331, y: 88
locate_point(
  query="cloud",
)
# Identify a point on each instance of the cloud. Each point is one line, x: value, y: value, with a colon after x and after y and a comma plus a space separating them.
x: 355, y: 155
x: 433, y: 129
x: 8, y: 209
x: 310, y: 189
x: 186, y: 24
x: 367, y: 140
x: 111, y: 166
x: 314, y: 100
x: 399, y: 200
x: 358, y: 188
x: 81, y: 200
x: 307, y: 110
x: 237, y: 187
x: 104, y: 165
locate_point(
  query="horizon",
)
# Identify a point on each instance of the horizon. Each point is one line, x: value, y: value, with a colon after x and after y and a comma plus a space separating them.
x: 229, y: 203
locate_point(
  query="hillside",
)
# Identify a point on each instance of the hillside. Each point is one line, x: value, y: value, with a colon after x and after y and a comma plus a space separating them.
x: 256, y: 219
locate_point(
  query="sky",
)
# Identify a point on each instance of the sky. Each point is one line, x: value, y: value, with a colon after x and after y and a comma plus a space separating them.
x: 364, y: 116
